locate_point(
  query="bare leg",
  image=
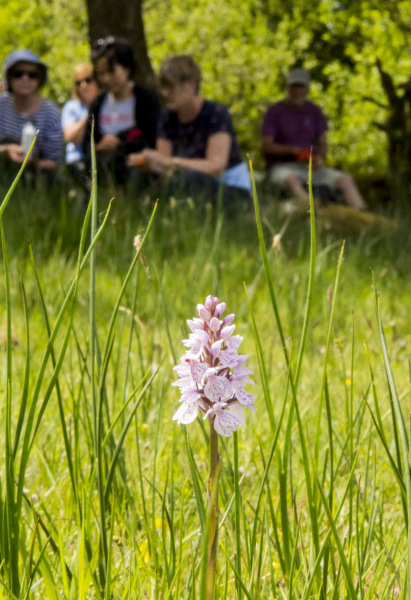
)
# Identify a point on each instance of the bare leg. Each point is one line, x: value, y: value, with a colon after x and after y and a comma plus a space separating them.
x: 351, y: 193
x: 296, y: 188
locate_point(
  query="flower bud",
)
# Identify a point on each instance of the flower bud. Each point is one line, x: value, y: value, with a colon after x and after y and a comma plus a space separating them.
x: 215, y: 324
x: 220, y: 308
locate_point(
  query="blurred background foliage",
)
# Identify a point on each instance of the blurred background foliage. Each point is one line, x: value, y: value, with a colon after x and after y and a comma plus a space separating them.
x: 245, y: 50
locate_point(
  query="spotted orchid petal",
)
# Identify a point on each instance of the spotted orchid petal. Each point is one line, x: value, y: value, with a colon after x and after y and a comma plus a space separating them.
x: 225, y: 422
x: 237, y: 411
x: 229, y: 358
x: 227, y: 331
x: 233, y: 342
x: 218, y: 388
x: 244, y: 397
x: 197, y: 370
x: 187, y: 413
x: 195, y: 324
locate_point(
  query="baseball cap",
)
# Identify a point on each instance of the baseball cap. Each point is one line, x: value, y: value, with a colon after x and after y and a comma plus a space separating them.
x: 298, y: 76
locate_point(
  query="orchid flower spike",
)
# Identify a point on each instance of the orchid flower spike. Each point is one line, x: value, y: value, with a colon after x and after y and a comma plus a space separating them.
x: 212, y: 377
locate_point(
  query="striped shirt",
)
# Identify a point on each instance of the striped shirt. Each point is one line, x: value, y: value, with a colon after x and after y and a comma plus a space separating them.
x: 49, y: 141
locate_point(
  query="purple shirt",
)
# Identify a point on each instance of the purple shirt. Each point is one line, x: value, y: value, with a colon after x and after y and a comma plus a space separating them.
x: 295, y: 127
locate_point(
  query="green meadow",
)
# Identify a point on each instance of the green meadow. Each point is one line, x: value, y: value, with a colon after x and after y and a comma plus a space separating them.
x: 103, y: 496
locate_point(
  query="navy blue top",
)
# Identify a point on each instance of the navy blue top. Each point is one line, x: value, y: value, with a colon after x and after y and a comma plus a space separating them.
x: 189, y: 140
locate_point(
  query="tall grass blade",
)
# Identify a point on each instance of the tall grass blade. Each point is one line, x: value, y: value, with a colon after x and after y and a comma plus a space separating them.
x: 293, y: 382
x: 11, y: 524
x: 261, y: 363
x: 123, y: 434
x: 326, y: 543
x: 333, y: 528
x: 237, y: 493
x: 17, y: 179
x: 403, y: 434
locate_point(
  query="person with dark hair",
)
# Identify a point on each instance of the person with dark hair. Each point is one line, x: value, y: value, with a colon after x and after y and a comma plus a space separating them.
x: 125, y: 114
x: 23, y: 110
x: 197, y: 151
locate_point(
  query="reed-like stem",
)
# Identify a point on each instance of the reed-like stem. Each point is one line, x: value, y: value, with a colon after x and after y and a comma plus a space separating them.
x: 213, y: 510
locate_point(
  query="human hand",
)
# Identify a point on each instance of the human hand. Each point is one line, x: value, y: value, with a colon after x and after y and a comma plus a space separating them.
x: 157, y: 161
x: 16, y: 153
x: 303, y: 155
x: 47, y: 164
x: 108, y: 142
x: 136, y: 160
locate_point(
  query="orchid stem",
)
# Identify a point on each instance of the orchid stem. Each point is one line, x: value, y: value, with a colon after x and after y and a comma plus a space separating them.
x: 213, y: 510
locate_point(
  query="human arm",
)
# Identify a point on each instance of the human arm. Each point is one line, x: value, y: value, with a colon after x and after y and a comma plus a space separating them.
x: 213, y: 164
x: 108, y: 142
x: 103, y: 142
x: 319, y: 149
x: 270, y: 146
x: 73, y: 121
x: 47, y: 164
x: 158, y: 161
x: 74, y: 132
x: 275, y: 140
x: 216, y: 157
x: 14, y: 152
x: 93, y: 118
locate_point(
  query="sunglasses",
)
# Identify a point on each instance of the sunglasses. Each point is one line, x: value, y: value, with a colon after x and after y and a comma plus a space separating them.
x: 19, y: 73
x: 89, y: 79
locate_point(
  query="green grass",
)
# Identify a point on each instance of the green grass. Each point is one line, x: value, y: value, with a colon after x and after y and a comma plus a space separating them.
x: 103, y: 496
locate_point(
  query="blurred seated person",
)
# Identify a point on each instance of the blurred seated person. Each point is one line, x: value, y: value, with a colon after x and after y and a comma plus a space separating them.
x: 21, y: 105
x: 74, y: 118
x: 291, y: 128
x: 197, y: 151
x: 125, y: 113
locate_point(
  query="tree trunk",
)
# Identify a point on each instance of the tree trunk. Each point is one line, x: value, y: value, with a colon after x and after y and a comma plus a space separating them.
x: 397, y: 125
x: 122, y: 18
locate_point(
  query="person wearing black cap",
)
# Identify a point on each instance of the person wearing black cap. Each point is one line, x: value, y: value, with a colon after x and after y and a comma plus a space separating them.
x: 22, y: 109
x: 291, y: 129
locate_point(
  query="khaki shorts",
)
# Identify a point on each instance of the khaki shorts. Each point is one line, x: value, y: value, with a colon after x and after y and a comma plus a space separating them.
x: 322, y: 176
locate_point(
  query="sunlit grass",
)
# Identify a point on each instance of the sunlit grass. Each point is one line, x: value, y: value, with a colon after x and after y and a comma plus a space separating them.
x: 103, y: 496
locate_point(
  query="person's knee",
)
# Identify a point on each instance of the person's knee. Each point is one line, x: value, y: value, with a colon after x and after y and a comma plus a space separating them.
x: 345, y: 181
x: 292, y: 181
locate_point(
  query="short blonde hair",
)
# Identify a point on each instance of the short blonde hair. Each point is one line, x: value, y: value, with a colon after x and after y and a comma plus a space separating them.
x: 81, y: 71
x: 179, y: 69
